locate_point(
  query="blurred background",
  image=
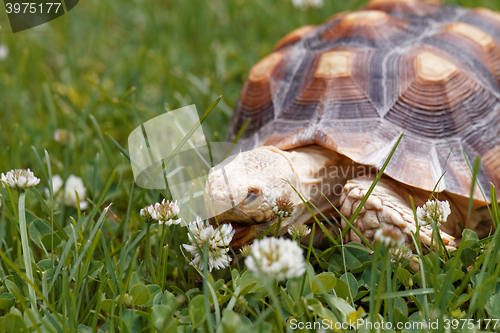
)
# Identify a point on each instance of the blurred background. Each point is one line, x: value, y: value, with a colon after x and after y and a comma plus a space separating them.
x: 108, y: 66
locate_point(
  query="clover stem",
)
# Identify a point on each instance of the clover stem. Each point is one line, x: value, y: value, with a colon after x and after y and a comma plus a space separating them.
x: 163, y: 273
x: 372, y: 281
x: 388, y: 277
x: 148, y: 253
x: 160, y: 250
x: 278, y: 227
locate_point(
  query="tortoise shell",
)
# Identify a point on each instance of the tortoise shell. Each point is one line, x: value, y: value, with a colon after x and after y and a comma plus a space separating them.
x: 356, y: 82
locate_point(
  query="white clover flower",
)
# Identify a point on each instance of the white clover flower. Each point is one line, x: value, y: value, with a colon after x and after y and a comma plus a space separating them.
x: 433, y: 211
x: 73, y: 184
x: 166, y: 212
x: 217, y: 240
x: 246, y: 250
x: 277, y: 258
x: 57, y: 184
x: 62, y: 136
x: 304, y: 4
x: 147, y: 214
x: 4, y: 51
x: 20, y: 179
x: 400, y: 254
x: 283, y: 207
x: 389, y: 236
x: 299, y: 231
x: 127, y: 299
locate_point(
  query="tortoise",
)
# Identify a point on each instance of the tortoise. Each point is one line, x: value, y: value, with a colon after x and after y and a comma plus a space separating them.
x: 326, y: 107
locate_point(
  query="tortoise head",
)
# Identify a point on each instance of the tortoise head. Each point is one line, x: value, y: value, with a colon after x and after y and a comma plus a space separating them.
x: 242, y: 191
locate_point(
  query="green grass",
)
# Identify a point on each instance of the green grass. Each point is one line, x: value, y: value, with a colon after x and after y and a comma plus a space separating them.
x: 107, y: 67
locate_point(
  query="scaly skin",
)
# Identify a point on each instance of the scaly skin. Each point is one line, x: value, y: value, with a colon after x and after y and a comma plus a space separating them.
x: 388, y: 205
x: 242, y: 191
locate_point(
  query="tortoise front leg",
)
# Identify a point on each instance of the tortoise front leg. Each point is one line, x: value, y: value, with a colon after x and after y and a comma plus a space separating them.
x: 385, y: 206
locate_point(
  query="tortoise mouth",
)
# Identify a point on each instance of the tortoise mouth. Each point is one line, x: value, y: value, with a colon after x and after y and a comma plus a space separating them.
x: 244, y: 233
x: 239, y: 229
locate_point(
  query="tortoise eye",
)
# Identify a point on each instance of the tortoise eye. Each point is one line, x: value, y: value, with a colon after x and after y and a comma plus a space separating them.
x: 252, y: 195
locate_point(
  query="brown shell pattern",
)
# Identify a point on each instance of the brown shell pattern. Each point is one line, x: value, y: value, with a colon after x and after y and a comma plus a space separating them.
x: 356, y: 82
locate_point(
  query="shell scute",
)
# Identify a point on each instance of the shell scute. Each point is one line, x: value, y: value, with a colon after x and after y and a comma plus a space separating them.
x: 356, y: 82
